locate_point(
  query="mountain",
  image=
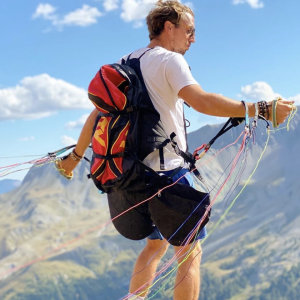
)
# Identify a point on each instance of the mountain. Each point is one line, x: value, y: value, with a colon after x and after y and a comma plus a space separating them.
x: 7, y: 185
x: 53, y: 229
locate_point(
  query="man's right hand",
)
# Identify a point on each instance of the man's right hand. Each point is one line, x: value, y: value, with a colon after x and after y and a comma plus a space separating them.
x: 283, y: 109
x: 66, y: 167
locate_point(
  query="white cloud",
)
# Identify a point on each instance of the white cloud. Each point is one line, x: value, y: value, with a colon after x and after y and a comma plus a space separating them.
x: 77, y: 124
x: 252, y: 3
x: 40, y: 96
x: 110, y: 5
x: 27, y: 139
x: 44, y: 10
x: 258, y: 91
x: 295, y: 98
x: 67, y: 140
x: 136, y: 10
x: 83, y: 17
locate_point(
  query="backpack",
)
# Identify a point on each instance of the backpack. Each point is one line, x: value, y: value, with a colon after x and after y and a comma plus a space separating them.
x: 127, y: 129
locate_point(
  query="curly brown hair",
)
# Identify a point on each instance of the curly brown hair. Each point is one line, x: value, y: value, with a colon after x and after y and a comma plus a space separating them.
x: 163, y: 11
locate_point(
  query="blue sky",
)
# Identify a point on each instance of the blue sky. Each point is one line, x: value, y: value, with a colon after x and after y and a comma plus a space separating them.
x: 49, y: 52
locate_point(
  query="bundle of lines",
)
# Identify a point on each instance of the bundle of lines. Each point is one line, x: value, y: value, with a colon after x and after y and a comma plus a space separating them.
x: 38, y: 162
x: 221, y: 190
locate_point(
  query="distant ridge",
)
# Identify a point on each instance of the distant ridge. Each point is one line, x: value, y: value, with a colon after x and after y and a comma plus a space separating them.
x: 7, y: 185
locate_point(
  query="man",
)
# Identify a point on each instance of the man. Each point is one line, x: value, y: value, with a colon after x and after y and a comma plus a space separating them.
x: 168, y: 81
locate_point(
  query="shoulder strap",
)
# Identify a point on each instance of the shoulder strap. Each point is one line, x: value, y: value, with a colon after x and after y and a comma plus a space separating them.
x: 144, y: 53
x: 129, y: 56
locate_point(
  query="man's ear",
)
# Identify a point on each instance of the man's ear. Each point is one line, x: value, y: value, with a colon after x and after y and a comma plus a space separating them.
x: 168, y: 26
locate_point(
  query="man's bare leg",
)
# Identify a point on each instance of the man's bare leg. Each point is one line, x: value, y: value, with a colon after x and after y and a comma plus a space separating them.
x: 143, y: 273
x: 187, y: 284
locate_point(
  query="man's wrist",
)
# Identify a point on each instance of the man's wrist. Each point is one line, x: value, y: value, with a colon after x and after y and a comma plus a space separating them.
x: 264, y: 109
x: 75, y: 156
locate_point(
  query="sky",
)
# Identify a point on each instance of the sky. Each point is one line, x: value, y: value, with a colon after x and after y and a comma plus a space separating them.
x: 51, y: 50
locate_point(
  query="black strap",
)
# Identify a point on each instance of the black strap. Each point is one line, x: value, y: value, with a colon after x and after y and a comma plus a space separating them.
x: 161, y: 158
x: 121, y: 112
x: 163, y: 142
x: 234, y: 122
x: 144, y: 53
x: 175, y: 171
x: 86, y: 159
x: 111, y: 156
x: 187, y: 156
x: 160, y: 139
x: 129, y: 56
x: 186, y: 141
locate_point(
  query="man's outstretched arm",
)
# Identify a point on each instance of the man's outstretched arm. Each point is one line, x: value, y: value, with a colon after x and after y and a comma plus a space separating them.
x: 221, y: 106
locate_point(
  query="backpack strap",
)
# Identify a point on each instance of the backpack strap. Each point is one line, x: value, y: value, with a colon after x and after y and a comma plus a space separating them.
x: 164, y: 141
x: 116, y: 155
x: 184, y: 122
x: 144, y: 53
x: 129, y: 56
x: 121, y: 112
x: 161, y: 158
x: 187, y: 156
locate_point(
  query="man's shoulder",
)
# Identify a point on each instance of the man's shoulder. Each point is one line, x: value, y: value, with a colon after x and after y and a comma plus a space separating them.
x: 162, y: 52
x: 158, y: 52
x: 135, y: 54
x: 168, y: 57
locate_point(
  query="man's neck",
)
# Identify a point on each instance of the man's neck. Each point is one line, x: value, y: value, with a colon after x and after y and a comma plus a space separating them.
x: 157, y: 42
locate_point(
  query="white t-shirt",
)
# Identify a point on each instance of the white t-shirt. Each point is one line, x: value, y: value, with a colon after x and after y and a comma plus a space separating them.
x: 165, y: 73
